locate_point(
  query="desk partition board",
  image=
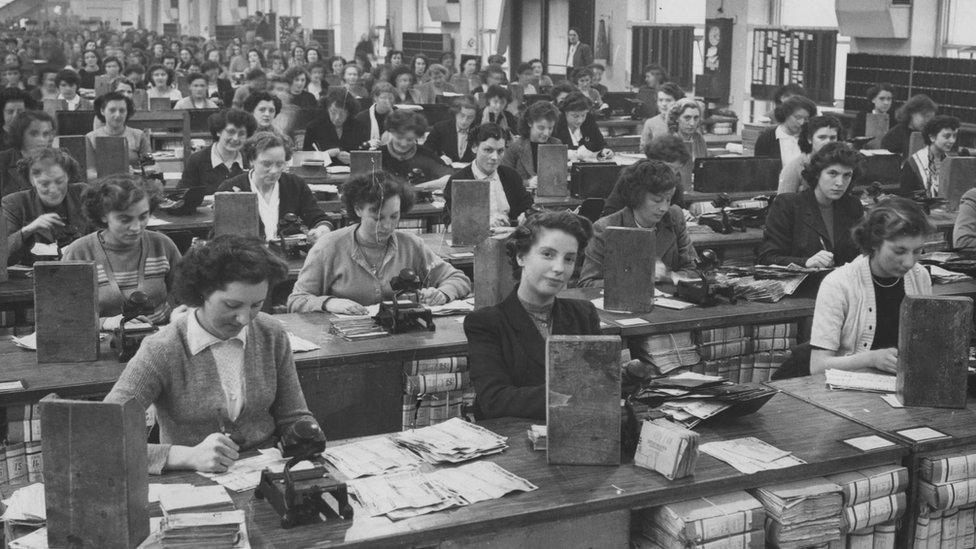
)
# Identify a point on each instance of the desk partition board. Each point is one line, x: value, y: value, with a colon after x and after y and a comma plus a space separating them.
x: 236, y: 214
x: 956, y: 176
x: 933, y: 350
x: 494, y: 280
x: 553, y: 172
x: 66, y: 311
x: 4, y: 252
x: 75, y: 145
x: 160, y: 104
x: 628, y: 269
x: 583, y: 400
x: 112, y: 156
x: 361, y: 162
x: 738, y: 174
x: 470, y: 212
x: 876, y: 124
x: 140, y: 99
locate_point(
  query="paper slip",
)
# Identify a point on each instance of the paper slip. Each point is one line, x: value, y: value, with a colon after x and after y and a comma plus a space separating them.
x: 892, y: 400
x: 194, y: 497
x: 156, y: 222
x: 26, y: 504
x: 868, y: 443
x: 631, y: 321
x: 371, y: 310
x: 460, y: 165
x: 672, y: 303
x: 461, y: 255
x: 750, y: 455
x: 375, y: 456
x: 481, y: 481
x: 156, y: 489
x: 7, y: 386
x: 860, y: 381
x: 28, y: 341
x: 919, y: 434
x: 331, y: 189
x: 34, y: 540
x: 245, y: 474
x: 337, y: 169
x: 172, y: 176
x: 301, y: 345
x: 45, y: 250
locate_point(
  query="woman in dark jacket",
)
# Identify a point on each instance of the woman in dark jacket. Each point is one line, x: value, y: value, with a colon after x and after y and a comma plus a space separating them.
x: 506, y: 342
x: 577, y: 128
x: 335, y: 132
x: 912, y: 117
x: 211, y: 166
x: 813, y: 228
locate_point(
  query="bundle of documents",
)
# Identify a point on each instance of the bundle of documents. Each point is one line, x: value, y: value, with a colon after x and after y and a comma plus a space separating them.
x: 34, y: 540
x: 539, y: 437
x: 217, y: 530
x: 948, y: 495
x: 949, y: 468
x: 750, y: 455
x: 357, y: 328
x: 691, y: 412
x: 456, y: 307
x: 728, y: 520
x: 373, y: 456
x: 667, y: 448
x: 860, y: 381
x: 196, y: 499
x: 452, y: 441
x: 802, y: 513
x: 881, y: 536
x: 766, y: 290
x: 872, y: 496
x: 668, y: 352
x: 411, y: 493
x: 26, y: 506
x: 936, y: 529
x: 945, y: 276
x: 437, y: 383
x: 690, y: 398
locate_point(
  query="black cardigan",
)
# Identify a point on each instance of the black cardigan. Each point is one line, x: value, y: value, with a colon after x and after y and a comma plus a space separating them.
x: 519, y: 199
x: 424, y: 160
x: 767, y: 144
x: 897, y: 140
x: 199, y: 172
x: 507, y: 355
x: 323, y: 134
x: 294, y: 197
x: 795, y: 230
x: 443, y: 140
x: 592, y: 136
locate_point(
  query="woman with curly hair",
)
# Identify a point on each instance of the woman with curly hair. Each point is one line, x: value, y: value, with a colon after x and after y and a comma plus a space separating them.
x: 684, y: 121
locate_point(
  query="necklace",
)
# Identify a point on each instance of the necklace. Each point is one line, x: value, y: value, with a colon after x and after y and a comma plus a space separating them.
x: 373, y: 268
x: 892, y: 285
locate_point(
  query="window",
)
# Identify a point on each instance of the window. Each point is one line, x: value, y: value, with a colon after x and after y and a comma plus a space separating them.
x: 960, y: 22
x: 808, y: 13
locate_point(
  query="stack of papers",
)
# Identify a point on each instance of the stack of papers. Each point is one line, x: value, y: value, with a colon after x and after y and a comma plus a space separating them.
x: 195, y: 499
x: 452, y: 441
x: 26, y: 506
x: 727, y: 520
x: 669, y: 351
x: 691, y: 412
x: 750, y: 455
x: 245, y: 474
x: 375, y: 456
x: 945, y: 276
x: 34, y: 540
x: 412, y: 493
x: 803, y: 513
x: 219, y: 530
x: 690, y: 398
x: 357, y: 328
x: 539, y: 437
x: 667, y: 448
x: 456, y: 307
x: 766, y: 290
x: 860, y: 381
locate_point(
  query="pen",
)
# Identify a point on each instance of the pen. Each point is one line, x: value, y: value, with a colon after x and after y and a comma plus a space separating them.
x: 823, y: 244
x: 316, y: 147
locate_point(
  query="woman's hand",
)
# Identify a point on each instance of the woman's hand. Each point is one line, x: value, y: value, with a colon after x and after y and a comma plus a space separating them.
x: 885, y: 360
x: 375, y: 144
x: 533, y: 182
x: 318, y: 232
x: 341, y: 306
x: 343, y: 157
x: 498, y: 221
x: 112, y: 323
x: 44, y: 222
x: 432, y: 296
x: 213, y: 455
x: 605, y: 154
x: 822, y: 259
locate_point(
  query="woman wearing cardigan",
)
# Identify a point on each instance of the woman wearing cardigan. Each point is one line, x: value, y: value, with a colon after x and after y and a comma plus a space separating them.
x: 920, y: 173
x: 535, y: 129
x: 351, y: 268
x: 507, y: 341
x: 812, y: 228
x: 279, y: 193
x: 211, y: 166
x: 222, y: 377
x: 855, y: 322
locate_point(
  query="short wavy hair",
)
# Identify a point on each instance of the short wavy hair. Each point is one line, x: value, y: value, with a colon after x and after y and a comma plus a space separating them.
x: 374, y: 189
x: 540, y: 110
x: 400, y: 71
x: 528, y: 232
x: 672, y: 89
x: 294, y: 72
x: 483, y: 132
x: 341, y: 98
x: 254, y: 98
x: 262, y: 141
x: 14, y: 94
x: 218, y: 121
x: 102, y: 100
x: 400, y: 121
x: 678, y: 108
x: 810, y: 127
x: 35, y: 161
x: 23, y: 121
x: 832, y: 154
x: 643, y: 178
x: 667, y: 148
x: 916, y: 103
x: 225, y: 259
x: 500, y: 92
x: 938, y: 123
x: 875, y: 90
x: 118, y: 192
x: 575, y: 102
x: 170, y: 75
x: 892, y: 218
x: 793, y: 104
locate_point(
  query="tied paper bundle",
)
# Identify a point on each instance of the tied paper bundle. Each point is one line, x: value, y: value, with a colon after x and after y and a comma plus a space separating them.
x: 872, y: 496
x: 948, y: 495
x: 669, y: 351
x: 749, y: 540
x: 860, y: 381
x: 373, y: 456
x: 437, y: 383
x: 219, y: 530
x: 802, y: 513
x: 667, y: 448
x: 950, y: 468
x: 727, y: 520
x: 195, y: 500
x: 452, y: 441
x: 939, y: 529
x: 725, y: 349
x: 874, y: 512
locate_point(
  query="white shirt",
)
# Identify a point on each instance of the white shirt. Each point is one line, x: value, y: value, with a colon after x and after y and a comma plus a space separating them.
x: 228, y: 355
x: 462, y: 143
x: 215, y: 159
x: 268, y: 210
x: 571, y: 54
x: 576, y: 135
x: 497, y: 201
x: 73, y: 104
x: 789, y: 146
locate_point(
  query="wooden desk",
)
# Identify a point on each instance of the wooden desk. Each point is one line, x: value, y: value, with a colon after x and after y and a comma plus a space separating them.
x: 583, y: 506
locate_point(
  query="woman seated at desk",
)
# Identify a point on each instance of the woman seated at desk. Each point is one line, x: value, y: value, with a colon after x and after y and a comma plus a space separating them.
x: 577, y: 128
x: 815, y: 133
x: 507, y: 341
x: 264, y: 107
x: 47, y: 212
x: 13, y: 101
x: 222, y: 377
x: 881, y: 97
x: 371, y: 122
x: 351, y: 268
x: 403, y: 156
x: 30, y: 131
x: 912, y: 117
x: 198, y: 98
x: 646, y: 189
x: 159, y: 84
x: 812, y: 228
x: 657, y: 125
x: 496, y: 111
x: 780, y: 141
x: 667, y: 148
x: 920, y: 173
x: 335, y: 131
x: 128, y: 257
x: 855, y: 322
x: 535, y: 129
x: 403, y: 80
x: 211, y: 166
x: 449, y: 138
x: 427, y: 92
x: 278, y: 192
x: 114, y: 110
x: 684, y: 121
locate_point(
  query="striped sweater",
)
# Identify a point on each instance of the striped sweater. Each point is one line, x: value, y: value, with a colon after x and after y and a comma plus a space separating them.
x: 161, y: 259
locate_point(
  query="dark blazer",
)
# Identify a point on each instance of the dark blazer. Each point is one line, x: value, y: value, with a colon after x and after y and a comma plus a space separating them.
x: 795, y: 230
x: 519, y: 199
x: 897, y: 139
x: 443, y: 140
x: 911, y: 180
x: 592, y: 136
x: 199, y: 172
x: 225, y: 92
x: 22, y: 207
x: 767, y: 144
x: 511, y: 121
x: 294, y: 197
x: 583, y: 56
x: 304, y: 100
x: 362, y: 126
x: 507, y: 355
x: 323, y: 134
x: 12, y: 181
x: 424, y: 160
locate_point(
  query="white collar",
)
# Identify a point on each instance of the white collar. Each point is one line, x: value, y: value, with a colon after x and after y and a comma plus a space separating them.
x: 781, y: 133
x: 198, y: 339
x: 215, y: 159
x: 480, y: 175
x: 74, y: 101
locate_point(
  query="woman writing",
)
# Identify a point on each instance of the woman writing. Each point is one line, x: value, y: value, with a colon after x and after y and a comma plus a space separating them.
x: 578, y: 129
x: 535, y: 129
x: 920, y: 173
x: 812, y: 228
x: 815, y: 133
x: 351, y: 268
x: 128, y: 257
x: 114, y: 110
x: 222, y: 377
x: 334, y: 133
x: 507, y: 341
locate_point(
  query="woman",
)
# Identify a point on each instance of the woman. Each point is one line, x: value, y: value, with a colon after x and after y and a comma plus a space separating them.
x: 542, y: 81
x: 813, y: 227
x: 223, y: 367
x: 351, y: 268
x: 160, y: 84
x: 449, y: 61
x: 684, y: 121
x: 297, y: 57
x: 31, y: 131
x: 667, y: 94
x: 185, y: 61
x: 371, y: 123
x: 255, y: 59
x: 535, y: 129
x: 855, y: 322
x: 334, y: 133
x: 197, y: 99
x: 297, y: 79
x: 920, y: 173
x: 48, y: 84
x: 507, y: 341
x: 278, y: 192
x: 496, y: 110
x: 336, y: 64
x: 403, y: 156
x: 578, y: 129
x: 12, y: 102
x: 351, y: 74
x: 114, y: 109
x: 403, y: 81
x: 128, y: 257
x: 264, y: 107
x: 394, y: 58
x: 49, y: 212
x: 468, y: 79
x: 312, y: 56
x: 912, y: 117
x: 112, y: 68
x: 211, y: 166
x: 654, y: 76
x: 90, y: 68
x: 780, y: 141
x: 815, y: 133
x: 881, y: 97
x: 646, y: 189
x: 582, y: 78
x: 526, y: 79
x: 419, y: 66
x: 238, y: 63
x: 317, y: 86
x: 436, y: 85
x: 277, y: 65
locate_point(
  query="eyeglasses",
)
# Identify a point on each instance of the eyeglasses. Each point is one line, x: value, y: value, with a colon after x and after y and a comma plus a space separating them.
x: 269, y: 164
